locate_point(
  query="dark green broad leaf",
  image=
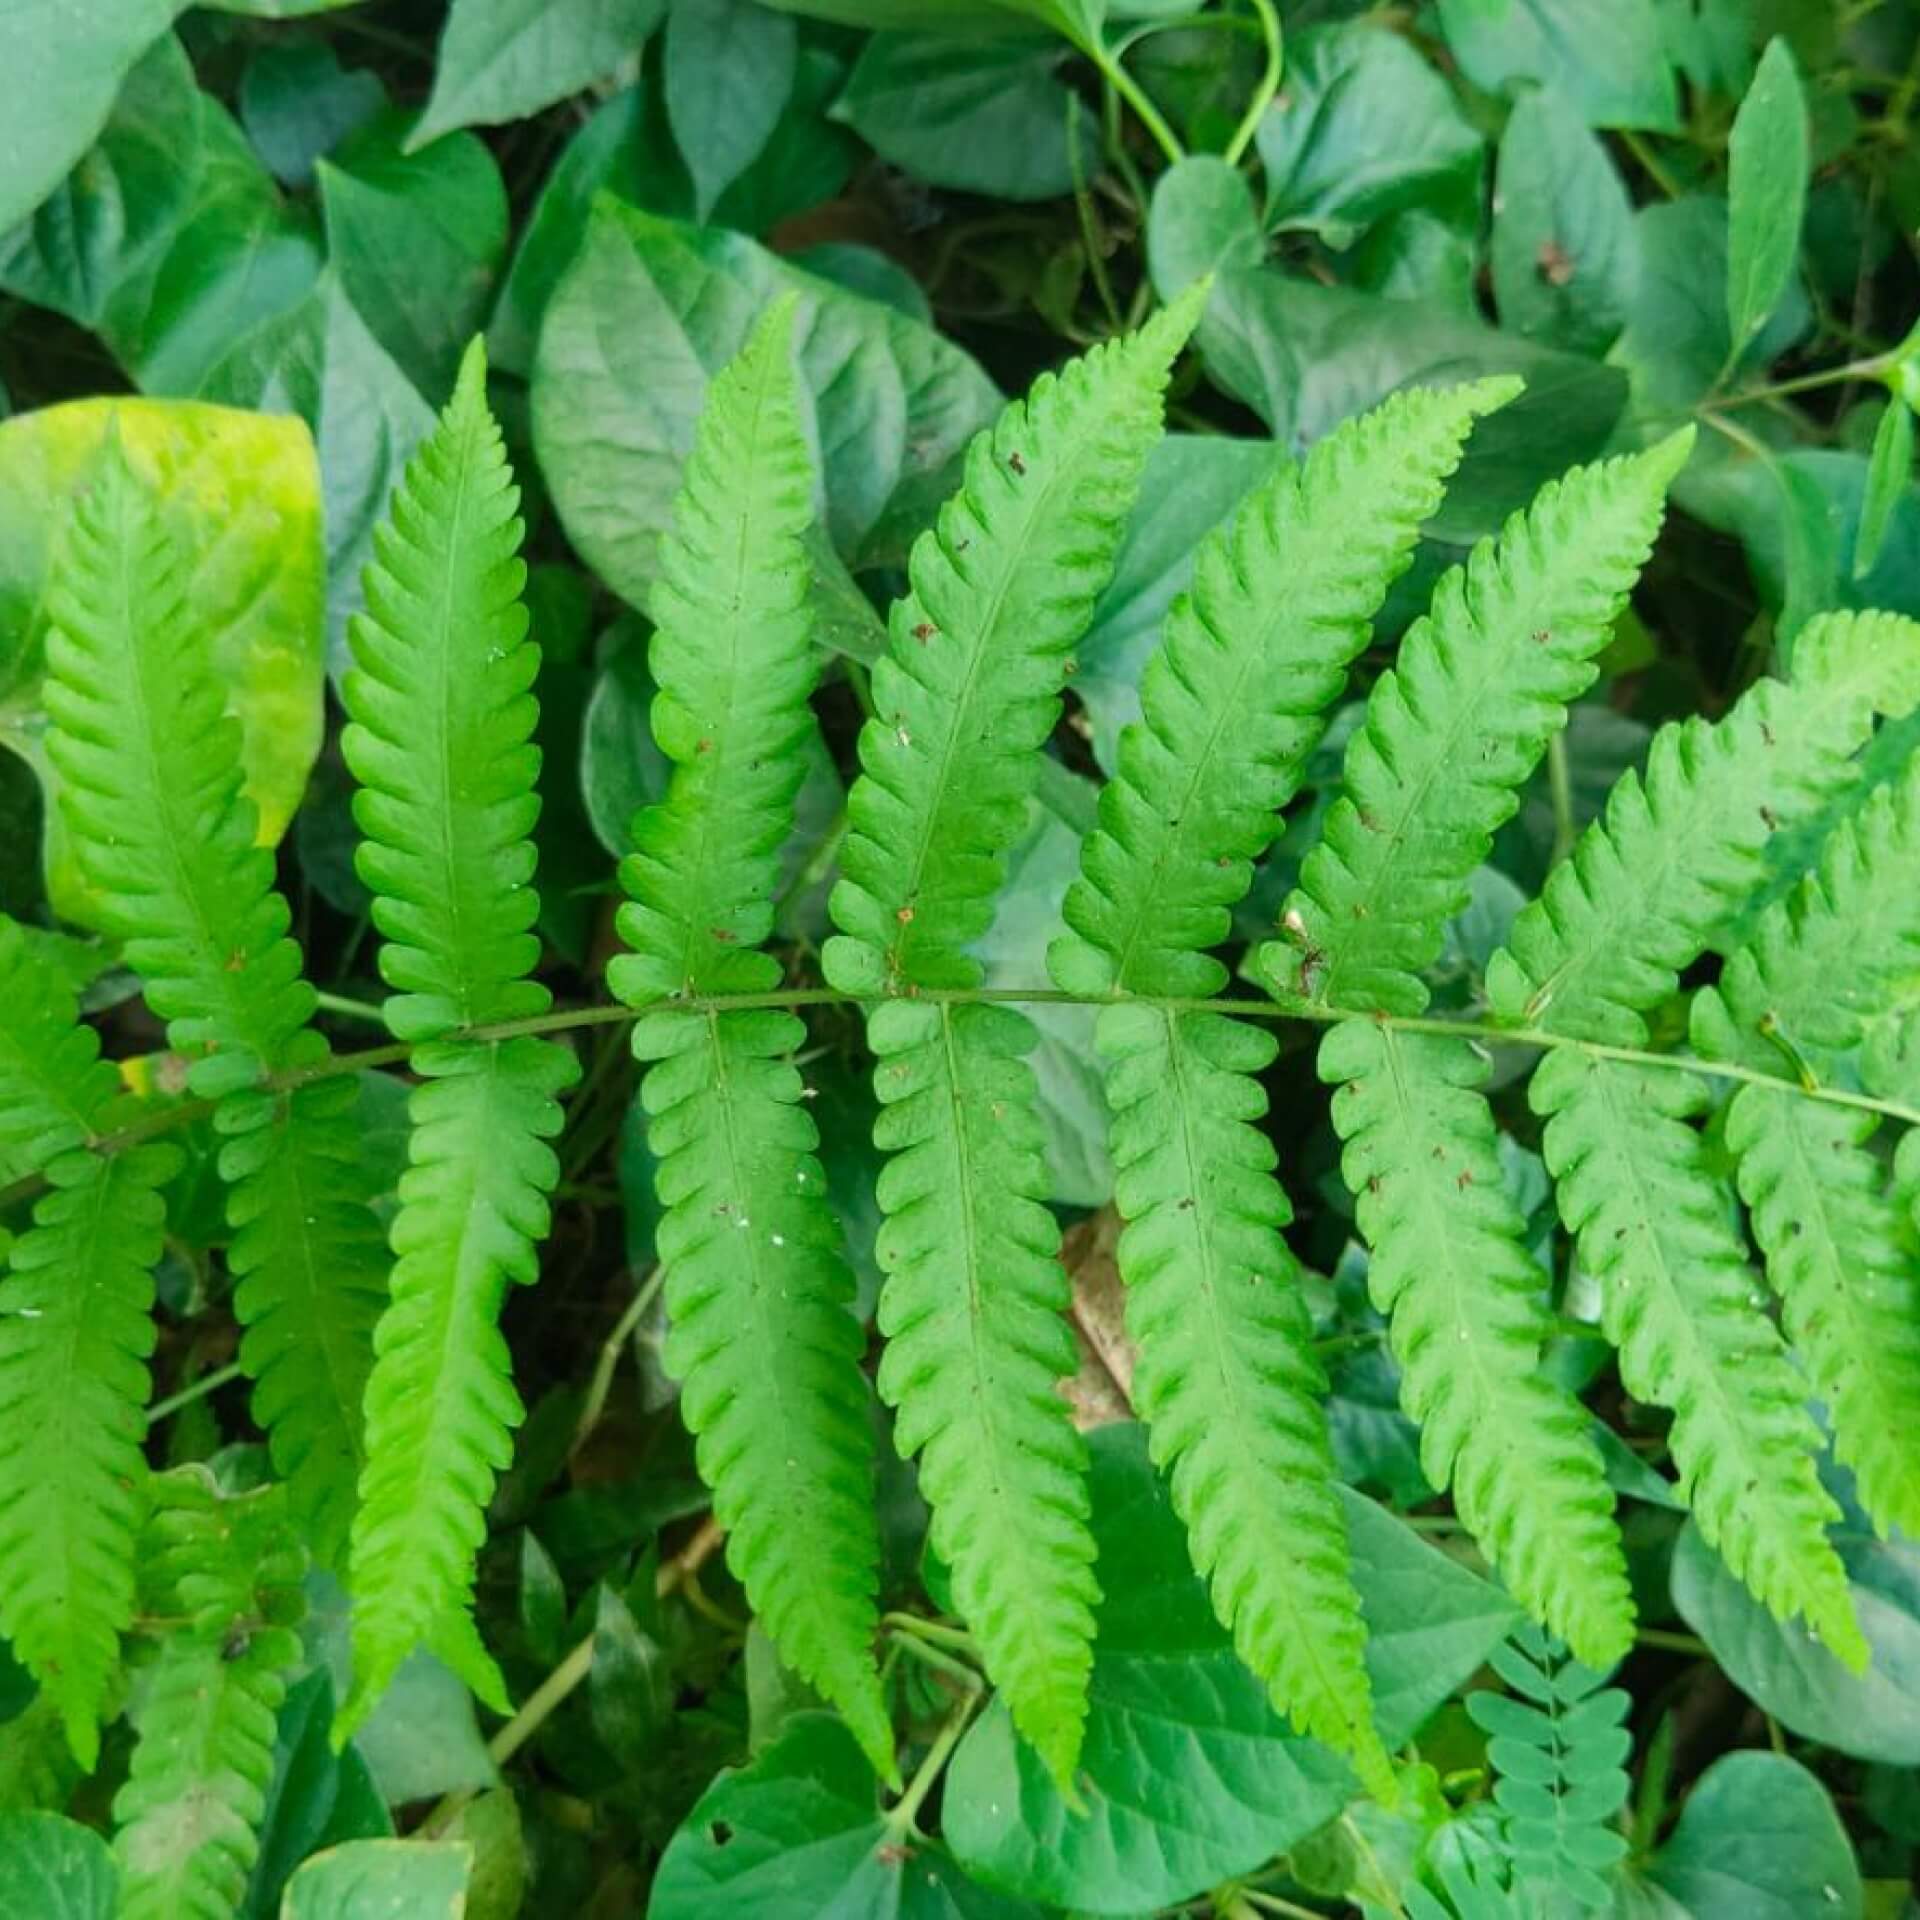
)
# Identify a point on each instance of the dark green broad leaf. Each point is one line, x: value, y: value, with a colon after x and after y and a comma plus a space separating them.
x: 501, y: 60
x: 1889, y: 477
x: 978, y: 114
x: 1757, y: 1840
x: 1363, y: 128
x: 417, y: 240
x: 1192, y: 482
x: 1874, y: 1715
x: 1767, y: 190
x: 298, y: 103
x: 65, y: 62
x: 53, y: 1868
x: 1798, y: 516
x: 624, y: 150
x: 1608, y: 57
x: 316, y: 1798
x: 121, y: 201
x: 321, y: 362
x: 798, y: 1835
x: 1422, y: 255
x: 170, y: 239
x: 621, y: 768
x: 1202, y: 220
x: 423, y: 1738
x: 1305, y: 357
x: 614, y: 405
x: 729, y: 70
x: 1188, y: 1774
x: 916, y: 16
x: 382, y: 1880
x: 1676, y: 344
x: 1564, y: 252
x: 1026, y: 916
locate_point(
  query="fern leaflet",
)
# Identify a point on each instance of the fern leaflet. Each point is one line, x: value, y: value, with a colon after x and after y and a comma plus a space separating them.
x: 150, y: 776
x: 964, y: 699
x: 1677, y: 1300
x: 1820, y: 963
x: 1561, y: 1763
x: 758, y: 1292
x: 1465, y: 1299
x: 1234, y: 701
x: 1645, y: 886
x: 1450, y: 733
x: 1481, y: 683
x: 230, y: 1571
x: 76, y: 1327
x: 440, y: 741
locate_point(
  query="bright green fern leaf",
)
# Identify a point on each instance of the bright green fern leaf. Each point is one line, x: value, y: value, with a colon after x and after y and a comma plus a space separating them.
x: 150, y: 785
x: 76, y: 1327
x: 54, y: 1087
x: 1559, y: 1755
x: 1225, y: 1373
x: 1678, y: 1301
x: 758, y: 1291
x: 1838, y: 1252
x: 440, y: 741
x: 1234, y: 702
x: 228, y: 1573
x: 1480, y: 686
x: 1235, y: 697
x: 965, y: 698
x: 1466, y: 1302
x: 1645, y: 887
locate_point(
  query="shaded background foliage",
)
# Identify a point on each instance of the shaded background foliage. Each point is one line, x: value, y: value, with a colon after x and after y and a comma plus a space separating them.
x: 306, y: 211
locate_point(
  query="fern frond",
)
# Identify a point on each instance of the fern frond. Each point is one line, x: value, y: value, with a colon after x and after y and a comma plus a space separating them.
x: 1466, y: 1305
x: 440, y: 741
x: 1647, y: 884
x: 230, y: 1571
x: 1822, y: 962
x: 1235, y: 697
x: 37, y: 1769
x: 1234, y: 702
x: 1453, y: 729
x: 1561, y: 1770
x: 150, y: 784
x: 1678, y: 1301
x: 76, y: 1327
x: 964, y: 699
x: 758, y: 1291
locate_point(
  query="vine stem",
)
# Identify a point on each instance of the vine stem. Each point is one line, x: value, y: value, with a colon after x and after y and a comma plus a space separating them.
x: 904, y: 1811
x: 1114, y: 71
x: 567, y: 1019
x: 609, y: 1359
x: 1263, y: 94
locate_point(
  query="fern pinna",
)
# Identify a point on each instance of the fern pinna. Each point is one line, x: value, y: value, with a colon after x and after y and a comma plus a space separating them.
x: 380, y: 1372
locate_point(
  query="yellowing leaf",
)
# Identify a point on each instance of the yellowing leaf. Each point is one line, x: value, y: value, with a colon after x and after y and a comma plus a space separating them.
x: 240, y: 493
